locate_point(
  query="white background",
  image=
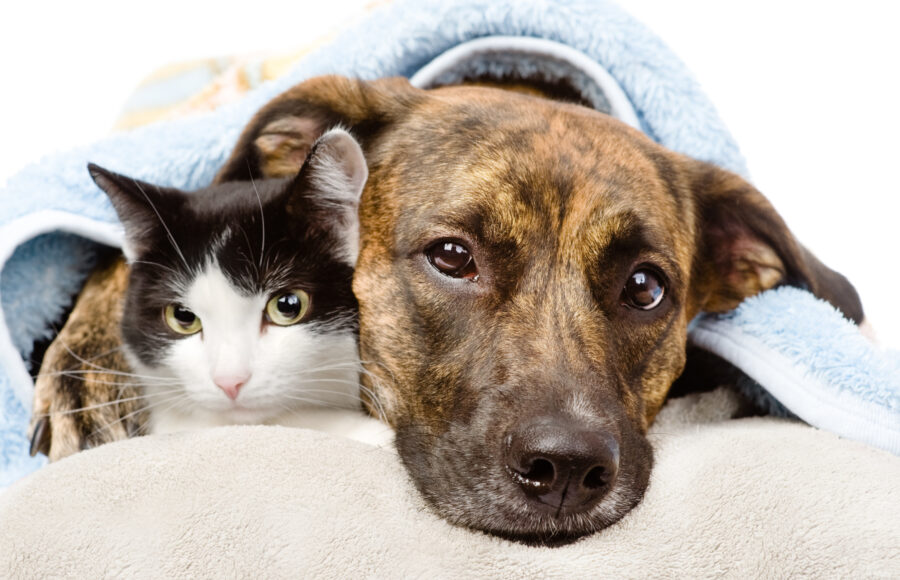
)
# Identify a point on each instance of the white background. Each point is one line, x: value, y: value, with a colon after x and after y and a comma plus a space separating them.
x: 810, y: 90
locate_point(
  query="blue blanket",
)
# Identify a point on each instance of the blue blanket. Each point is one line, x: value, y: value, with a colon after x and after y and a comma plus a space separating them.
x: 52, y: 216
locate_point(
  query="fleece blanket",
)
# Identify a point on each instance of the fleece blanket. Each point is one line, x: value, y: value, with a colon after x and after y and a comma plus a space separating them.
x: 52, y: 217
x: 751, y: 498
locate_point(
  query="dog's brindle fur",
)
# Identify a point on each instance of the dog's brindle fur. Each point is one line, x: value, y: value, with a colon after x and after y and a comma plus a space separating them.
x: 558, y: 205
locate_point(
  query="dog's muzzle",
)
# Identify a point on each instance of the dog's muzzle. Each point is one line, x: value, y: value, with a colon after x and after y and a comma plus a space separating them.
x: 562, y: 465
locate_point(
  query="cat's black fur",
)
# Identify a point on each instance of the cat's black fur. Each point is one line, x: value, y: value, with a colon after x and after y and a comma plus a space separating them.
x: 229, y: 251
x: 267, y: 236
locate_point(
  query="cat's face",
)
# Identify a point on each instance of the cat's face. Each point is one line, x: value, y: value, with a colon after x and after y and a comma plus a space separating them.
x: 239, y: 302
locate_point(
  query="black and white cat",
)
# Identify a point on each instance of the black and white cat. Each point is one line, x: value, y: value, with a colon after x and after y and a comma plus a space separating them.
x: 239, y: 307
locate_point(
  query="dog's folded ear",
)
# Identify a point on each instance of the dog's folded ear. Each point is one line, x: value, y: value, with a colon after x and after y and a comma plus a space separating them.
x: 277, y: 140
x: 745, y: 248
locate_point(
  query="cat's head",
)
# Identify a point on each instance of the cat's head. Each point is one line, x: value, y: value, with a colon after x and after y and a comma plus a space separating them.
x: 239, y: 300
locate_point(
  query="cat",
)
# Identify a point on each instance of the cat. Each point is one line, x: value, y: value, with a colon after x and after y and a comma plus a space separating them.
x: 239, y: 307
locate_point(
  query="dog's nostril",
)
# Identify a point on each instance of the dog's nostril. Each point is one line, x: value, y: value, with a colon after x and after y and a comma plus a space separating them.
x: 561, y: 464
x: 541, y: 472
x: 596, y: 478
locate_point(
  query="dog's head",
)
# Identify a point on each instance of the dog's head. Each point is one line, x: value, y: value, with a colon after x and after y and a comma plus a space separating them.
x: 527, y: 273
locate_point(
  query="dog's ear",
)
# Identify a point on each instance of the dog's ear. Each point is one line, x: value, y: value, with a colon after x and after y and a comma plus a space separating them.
x: 745, y: 248
x: 277, y: 140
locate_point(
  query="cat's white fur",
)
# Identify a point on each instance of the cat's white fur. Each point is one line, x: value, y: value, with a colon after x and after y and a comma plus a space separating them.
x: 304, y: 375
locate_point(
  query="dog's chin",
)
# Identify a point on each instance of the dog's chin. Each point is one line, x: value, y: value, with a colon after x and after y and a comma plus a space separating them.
x: 468, y: 487
x: 535, y: 528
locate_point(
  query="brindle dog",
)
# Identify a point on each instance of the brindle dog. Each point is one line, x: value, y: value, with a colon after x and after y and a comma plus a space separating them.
x: 527, y: 273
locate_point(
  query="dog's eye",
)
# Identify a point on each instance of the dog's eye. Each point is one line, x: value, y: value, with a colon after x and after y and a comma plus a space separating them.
x: 644, y: 290
x: 452, y: 259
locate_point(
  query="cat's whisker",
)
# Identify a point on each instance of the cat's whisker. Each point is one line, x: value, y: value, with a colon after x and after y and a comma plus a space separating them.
x: 329, y: 392
x: 299, y: 383
x: 364, y: 364
x: 98, y: 406
x: 104, y: 354
x: 102, y: 370
x: 248, y: 258
x: 314, y: 374
x: 376, y: 403
x: 81, y: 359
x: 157, y: 265
x: 88, y: 378
x: 163, y: 223
x: 370, y: 394
x: 348, y: 365
x: 177, y: 399
x: 284, y: 407
x: 338, y: 323
x: 59, y: 338
x: 262, y: 217
x: 313, y: 402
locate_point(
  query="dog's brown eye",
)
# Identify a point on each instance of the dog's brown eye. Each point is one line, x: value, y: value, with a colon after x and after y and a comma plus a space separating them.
x: 452, y: 259
x: 644, y: 290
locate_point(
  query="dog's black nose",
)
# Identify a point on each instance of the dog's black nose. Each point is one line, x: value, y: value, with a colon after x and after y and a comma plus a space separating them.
x: 561, y: 464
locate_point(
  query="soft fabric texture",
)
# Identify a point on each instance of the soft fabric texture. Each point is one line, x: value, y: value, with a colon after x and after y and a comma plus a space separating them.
x: 731, y: 498
x: 813, y: 361
x: 748, y: 498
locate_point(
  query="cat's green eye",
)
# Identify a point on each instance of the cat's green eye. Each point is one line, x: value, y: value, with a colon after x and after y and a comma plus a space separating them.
x: 182, y: 320
x: 288, y: 308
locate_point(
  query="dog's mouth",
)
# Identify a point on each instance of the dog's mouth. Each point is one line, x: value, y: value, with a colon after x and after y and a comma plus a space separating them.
x: 549, y: 481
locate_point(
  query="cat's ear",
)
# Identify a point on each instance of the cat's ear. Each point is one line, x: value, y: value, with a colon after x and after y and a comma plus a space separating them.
x: 281, y: 135
x: 745, y: 248
x: 136, y: 203
x: 329, y: 186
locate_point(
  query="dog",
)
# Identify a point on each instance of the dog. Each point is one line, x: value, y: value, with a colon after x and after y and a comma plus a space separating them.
x: 527, y: 272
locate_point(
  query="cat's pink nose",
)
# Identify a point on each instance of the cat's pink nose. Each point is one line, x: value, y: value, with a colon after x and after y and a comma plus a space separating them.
x: 231, y: 384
